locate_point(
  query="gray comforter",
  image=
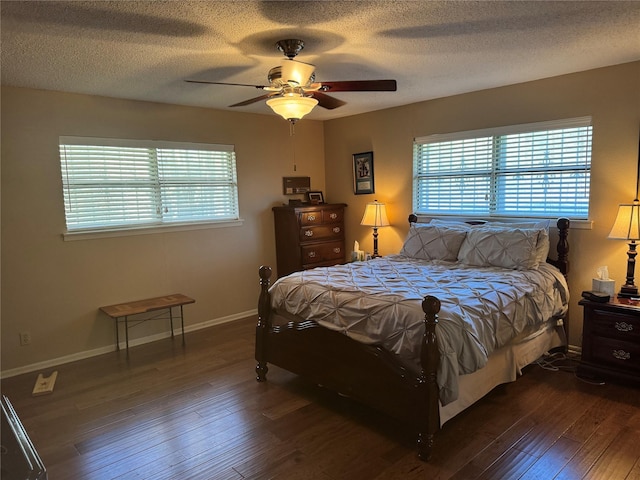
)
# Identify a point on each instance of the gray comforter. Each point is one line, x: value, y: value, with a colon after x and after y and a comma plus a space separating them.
x: 379, y: 302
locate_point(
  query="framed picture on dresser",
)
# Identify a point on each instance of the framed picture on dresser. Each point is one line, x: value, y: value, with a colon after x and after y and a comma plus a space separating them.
x: 363, y: 173
x: 315, y: 197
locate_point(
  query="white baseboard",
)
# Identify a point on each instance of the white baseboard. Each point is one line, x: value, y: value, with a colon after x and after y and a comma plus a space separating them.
x: 573, y: 349
x: 132, y: 343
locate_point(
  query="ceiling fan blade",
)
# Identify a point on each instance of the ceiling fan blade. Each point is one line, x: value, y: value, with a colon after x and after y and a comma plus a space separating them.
x: 327, y: 101
x: 252, y: 100
x: 261, y: 87
x: 360, y: 86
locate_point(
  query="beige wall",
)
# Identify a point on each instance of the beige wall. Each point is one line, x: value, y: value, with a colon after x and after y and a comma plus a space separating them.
x: 610, y: 95
x: 53, y: 288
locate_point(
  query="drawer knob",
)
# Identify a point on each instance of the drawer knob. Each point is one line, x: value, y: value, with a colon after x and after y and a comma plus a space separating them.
x: 621, y: 355
x: 337, y: 250
x: 336, y: 229
x: 311, y: 254
x: 308, y: 233
x: 311, y: 218
x: 333, y: 216
x: 624, y: 327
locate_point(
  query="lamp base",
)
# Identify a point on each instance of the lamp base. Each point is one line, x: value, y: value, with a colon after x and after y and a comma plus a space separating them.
x: 628, y: 291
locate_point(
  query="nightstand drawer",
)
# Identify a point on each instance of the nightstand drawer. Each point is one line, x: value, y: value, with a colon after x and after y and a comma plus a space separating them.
x: 616, y: 353
x: 611, y: 341
x: 615, y: 325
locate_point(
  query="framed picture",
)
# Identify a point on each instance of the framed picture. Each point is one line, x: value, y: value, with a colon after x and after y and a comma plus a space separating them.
x: 315, y: 197
x: 363, y: 173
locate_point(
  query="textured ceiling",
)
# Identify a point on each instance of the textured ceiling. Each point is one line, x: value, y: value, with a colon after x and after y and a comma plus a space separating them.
x: 146, y: 49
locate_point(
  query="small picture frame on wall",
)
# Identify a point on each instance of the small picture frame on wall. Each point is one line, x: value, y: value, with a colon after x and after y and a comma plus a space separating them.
x: 315, y: 197
x: 363, y: 173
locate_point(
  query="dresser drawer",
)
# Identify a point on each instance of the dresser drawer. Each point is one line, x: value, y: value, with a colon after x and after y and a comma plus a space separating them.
x: 322, y: 252
x: 615, y: 353
x: 313, y: 217
x: 321, y: 232
x: 319, y: 217
x: 333, y: 216
x: 615, y: 325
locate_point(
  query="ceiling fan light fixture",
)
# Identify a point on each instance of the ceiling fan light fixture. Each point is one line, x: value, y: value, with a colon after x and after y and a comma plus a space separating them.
x: 292, y: 107
x: 296, y: 73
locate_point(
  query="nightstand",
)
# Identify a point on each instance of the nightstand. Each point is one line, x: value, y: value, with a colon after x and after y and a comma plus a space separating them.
x: 611, y: 341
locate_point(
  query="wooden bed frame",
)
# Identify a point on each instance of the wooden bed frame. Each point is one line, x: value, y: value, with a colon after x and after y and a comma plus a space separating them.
x: 366, y: 373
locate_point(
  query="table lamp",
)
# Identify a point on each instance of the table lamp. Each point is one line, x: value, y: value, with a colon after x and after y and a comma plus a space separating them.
x: 627, y: 227
x: 375, y: 215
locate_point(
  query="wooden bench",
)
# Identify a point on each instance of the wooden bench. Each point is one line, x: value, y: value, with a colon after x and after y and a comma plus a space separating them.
x: 122, y: 311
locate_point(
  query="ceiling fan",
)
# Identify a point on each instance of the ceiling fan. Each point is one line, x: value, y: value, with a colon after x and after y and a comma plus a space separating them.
x: 292, y: 91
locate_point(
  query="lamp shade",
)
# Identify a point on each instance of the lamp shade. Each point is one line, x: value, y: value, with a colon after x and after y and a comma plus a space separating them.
x: 292, y: 107
x: 375, y: 215
x: 296, y: 73
x: 627, y: 224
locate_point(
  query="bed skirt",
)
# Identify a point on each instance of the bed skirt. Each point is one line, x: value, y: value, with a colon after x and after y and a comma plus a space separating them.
x: 503, y: 366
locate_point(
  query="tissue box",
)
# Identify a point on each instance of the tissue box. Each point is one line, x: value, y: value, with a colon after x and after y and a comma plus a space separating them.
x: 605, y: 286
x: 358, y: 256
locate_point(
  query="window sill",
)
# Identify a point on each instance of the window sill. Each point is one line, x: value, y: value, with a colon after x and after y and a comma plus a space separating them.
x: 126, y: 232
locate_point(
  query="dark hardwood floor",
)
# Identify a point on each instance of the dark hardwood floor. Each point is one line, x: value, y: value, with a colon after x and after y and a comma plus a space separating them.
x: 197, y: 412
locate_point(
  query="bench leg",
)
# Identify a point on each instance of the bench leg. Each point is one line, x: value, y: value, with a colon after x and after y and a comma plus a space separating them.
x: 171, y: 320
x: 182, y: 322
x: 117, y: 334
x: 126, y: 332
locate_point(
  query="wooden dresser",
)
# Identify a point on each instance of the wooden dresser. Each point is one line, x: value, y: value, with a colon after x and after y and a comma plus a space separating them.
x: 309, y: 236
x: 611, y: 341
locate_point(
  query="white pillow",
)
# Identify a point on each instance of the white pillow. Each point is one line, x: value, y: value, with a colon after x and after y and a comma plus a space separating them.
x: 542, y: 247
x: 513, y: 248
x: 433, y: 242
x: 449, y: 223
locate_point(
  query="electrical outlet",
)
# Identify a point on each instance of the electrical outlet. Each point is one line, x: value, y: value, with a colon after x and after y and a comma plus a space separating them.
x: 25, y: 338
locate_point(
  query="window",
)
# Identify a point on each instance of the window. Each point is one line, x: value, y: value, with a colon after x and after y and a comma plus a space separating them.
x: 125, y: 184
x: 535, y: 170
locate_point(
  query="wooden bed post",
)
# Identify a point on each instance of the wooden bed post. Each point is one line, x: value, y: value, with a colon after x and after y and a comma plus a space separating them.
x: 427, y: 382
x: 562, y: 264
x: 563, y: 225
x: 264, y: 323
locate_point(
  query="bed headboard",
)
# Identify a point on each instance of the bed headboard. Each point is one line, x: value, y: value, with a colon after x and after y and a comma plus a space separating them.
x: 562, y: 244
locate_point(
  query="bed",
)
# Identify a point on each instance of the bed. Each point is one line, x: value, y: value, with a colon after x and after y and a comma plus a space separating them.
x: 423, y: 334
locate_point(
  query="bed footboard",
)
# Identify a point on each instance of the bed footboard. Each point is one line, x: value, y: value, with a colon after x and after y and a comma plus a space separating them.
x: 264, y: 323
x: 429, y: 359
x: 366, y: 373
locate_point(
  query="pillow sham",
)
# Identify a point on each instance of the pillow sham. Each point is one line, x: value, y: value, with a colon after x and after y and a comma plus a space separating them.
x: 432, y: 242
x: 542, y: 247
x: 512, y: 248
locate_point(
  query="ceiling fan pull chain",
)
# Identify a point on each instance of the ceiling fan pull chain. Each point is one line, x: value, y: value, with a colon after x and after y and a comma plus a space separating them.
x: 292, y: 134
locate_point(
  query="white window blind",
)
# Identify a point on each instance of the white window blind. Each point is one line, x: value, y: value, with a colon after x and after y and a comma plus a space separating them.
x: 119, y: 184
x: 534, y: 170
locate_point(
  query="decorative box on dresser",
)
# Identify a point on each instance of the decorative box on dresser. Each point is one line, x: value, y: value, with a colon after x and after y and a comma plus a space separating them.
x: 309, y: 236
x: 611, y: 341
